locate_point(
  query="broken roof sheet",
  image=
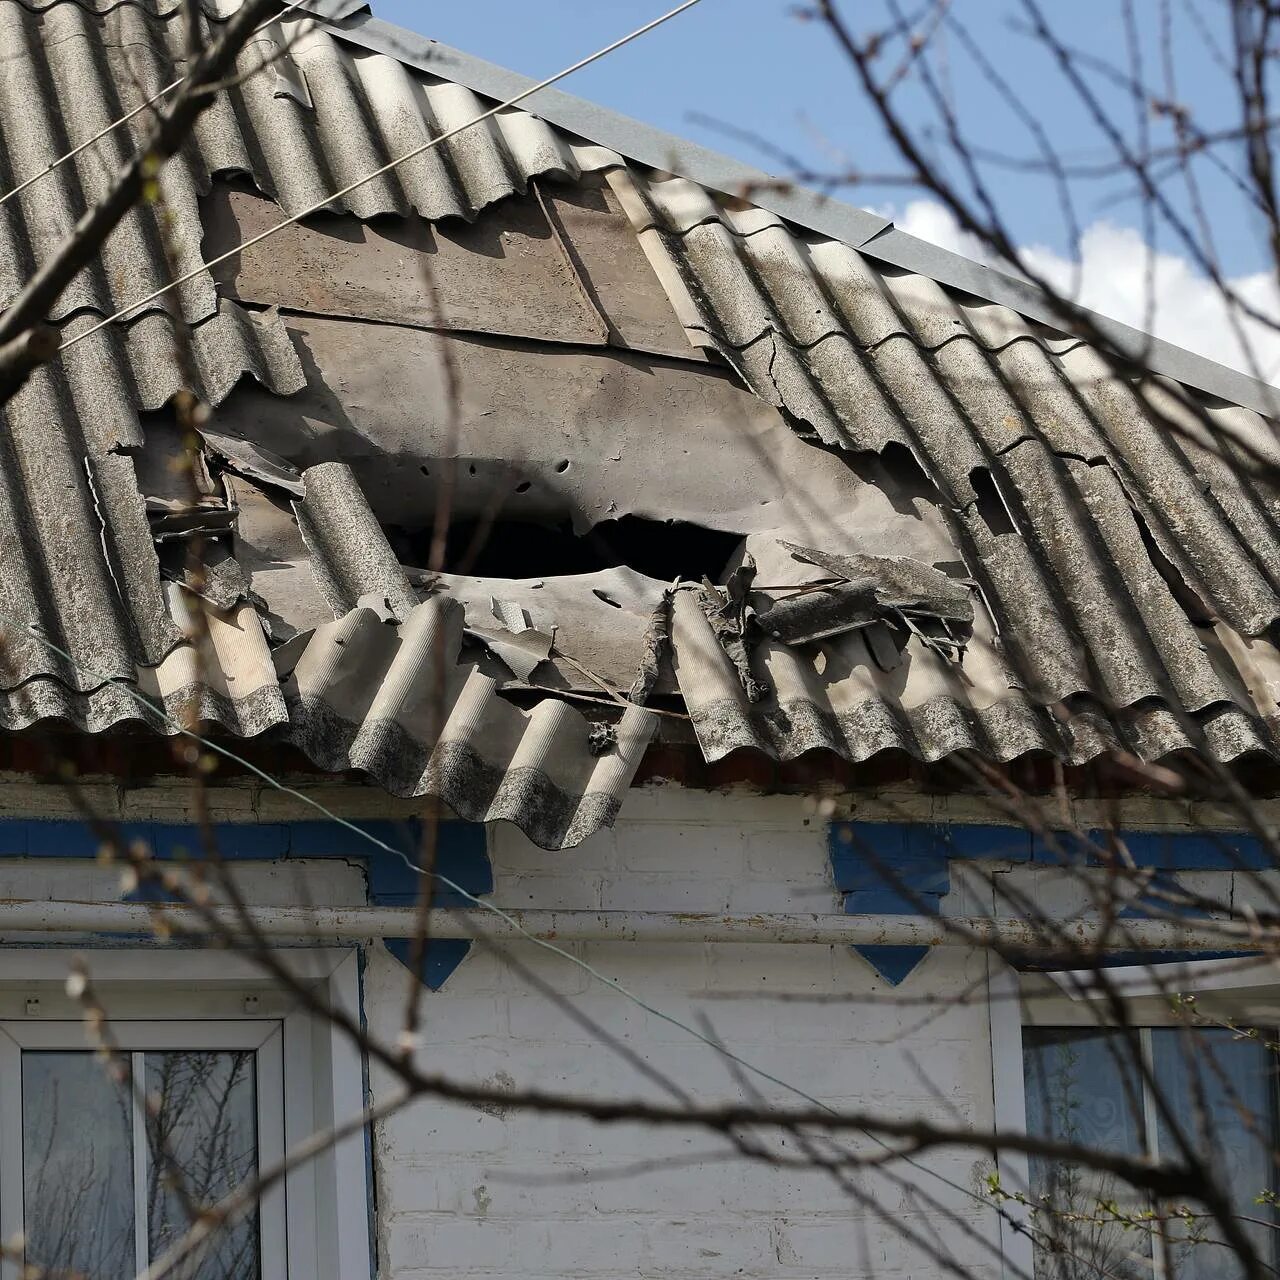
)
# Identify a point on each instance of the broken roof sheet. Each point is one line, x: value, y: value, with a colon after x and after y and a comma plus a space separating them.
x: 1082, y: 580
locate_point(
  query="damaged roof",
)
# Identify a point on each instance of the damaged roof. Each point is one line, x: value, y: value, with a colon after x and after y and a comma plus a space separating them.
x: 778, y: 470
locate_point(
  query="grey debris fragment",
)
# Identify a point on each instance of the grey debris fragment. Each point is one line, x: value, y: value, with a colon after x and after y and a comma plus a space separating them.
x: 248, y: 459
x: 657, y: 638
x: 514, y: 641
x: 601, y: 738
x: 285, y: 656
x: 867, y: 590
x: 728, y: 612
x: 214, y: 575
x: 174, y: 519
x: 897, y: 582
x: 520, y: 652
x: 510, y: 614
x: 816, y: 613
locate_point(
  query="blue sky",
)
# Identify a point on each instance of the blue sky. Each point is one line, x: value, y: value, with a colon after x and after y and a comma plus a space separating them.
x: 754, y: 64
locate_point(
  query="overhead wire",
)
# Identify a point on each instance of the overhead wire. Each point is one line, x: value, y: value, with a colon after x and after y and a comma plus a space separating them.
x: 712, y: 1042
x: 472, y: 899
x: 124, y: 119
x: 326, y: 201
x: 209, y: 744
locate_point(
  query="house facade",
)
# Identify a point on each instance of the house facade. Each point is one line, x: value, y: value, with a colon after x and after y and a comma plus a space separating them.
x: 781, y: 550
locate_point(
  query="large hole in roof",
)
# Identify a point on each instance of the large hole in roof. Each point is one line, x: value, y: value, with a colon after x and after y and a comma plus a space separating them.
x: 662, y: 549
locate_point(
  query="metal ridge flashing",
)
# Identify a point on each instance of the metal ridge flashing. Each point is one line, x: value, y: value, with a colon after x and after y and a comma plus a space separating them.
x: 899, y: 249
x: 860, y: 229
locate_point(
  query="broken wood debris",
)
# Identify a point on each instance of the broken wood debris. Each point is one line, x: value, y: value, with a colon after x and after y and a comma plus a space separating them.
x: 729, y: 611
x: 866, y: 590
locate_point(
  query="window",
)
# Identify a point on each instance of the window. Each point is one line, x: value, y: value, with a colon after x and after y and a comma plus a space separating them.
x: 103, y: 1182
x: 1061, y: 1071
x: 216, y: 1076
x: 1084, y: 1085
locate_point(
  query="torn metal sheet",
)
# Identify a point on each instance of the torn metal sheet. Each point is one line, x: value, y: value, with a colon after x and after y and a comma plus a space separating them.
x: 547, y: 434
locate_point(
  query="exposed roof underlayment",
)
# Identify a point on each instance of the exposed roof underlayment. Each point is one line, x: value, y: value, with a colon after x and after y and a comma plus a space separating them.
x: 954, y: 528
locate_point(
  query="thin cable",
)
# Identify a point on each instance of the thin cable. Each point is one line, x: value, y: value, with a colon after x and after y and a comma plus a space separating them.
x: 377, y: 173
x: 184, y: 731
x: 612, y: 983
x: 115, y: 124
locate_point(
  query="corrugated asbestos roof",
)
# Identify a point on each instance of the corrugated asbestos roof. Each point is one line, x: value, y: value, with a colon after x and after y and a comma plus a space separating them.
x: 1125, y: 575
x: 1096, y: 492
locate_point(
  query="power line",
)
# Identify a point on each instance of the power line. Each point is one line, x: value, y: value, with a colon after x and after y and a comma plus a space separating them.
x: 712, y: 1042
x: 326, y: 201
x: 511, y: 921
x: 124, y: 119
x: 157, y: 710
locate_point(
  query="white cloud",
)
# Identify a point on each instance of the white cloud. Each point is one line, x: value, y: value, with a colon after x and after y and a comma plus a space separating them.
x: 1189, y: 310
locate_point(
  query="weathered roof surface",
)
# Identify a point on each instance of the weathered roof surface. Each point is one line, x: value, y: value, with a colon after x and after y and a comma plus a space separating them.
x: 619, y: 343
x: 1081, y: 515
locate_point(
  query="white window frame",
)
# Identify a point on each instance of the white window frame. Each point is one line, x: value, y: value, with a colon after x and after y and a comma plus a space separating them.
x: 1246, y: 990
x: 315, y: 1223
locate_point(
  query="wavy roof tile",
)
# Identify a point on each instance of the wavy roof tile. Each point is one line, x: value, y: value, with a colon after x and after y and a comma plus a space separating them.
x: 1125, y: 575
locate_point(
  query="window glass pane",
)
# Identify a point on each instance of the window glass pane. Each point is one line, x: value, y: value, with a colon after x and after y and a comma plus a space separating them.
x: 1075, y: 1092
x: 203, y: 1130
x: 1236, y: 1079
x: 77, y: 1157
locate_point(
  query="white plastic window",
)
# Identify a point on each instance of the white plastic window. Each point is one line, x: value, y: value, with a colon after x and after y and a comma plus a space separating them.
x: 218, y: 1075
x: 115, y: 1162
x: 1059, y: 1068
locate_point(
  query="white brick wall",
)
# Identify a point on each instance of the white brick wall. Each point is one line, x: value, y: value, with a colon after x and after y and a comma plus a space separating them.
x: 503, y: 1195
x: 469, y: 1194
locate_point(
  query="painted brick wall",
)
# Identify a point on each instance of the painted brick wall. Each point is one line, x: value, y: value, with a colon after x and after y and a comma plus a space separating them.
x: 463, y: 1193
x: 470, y: 1194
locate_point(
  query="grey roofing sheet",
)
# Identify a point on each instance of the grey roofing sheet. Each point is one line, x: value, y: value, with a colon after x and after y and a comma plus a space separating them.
x: 1126, y: 589
x: 1097, y: 491
x: 314, y: 121
x: 813, y: 210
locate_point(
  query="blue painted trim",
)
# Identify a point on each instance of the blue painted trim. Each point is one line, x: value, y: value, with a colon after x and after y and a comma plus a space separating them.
x: 903, y: 868
x: 461, y: 855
